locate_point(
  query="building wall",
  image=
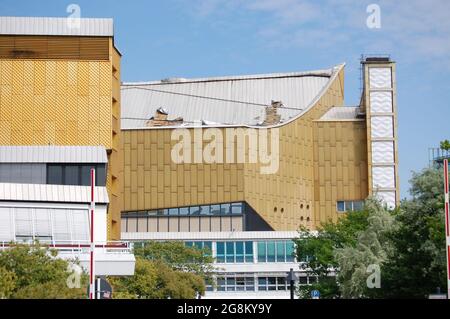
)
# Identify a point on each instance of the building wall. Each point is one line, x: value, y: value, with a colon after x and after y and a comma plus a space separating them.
x: 340, y: 165
x: 56, y: 90
x: 152, y: 180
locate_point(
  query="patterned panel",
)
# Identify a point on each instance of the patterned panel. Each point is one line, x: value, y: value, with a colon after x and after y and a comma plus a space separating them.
x: 380, y: 78
x: 381, y: 102
x: 383, y: 177
x: 382, y: 152
x: 382, y: 126
x: 387, y: 197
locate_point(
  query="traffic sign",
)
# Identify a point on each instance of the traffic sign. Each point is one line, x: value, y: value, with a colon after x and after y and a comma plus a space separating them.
x: 315, y: 294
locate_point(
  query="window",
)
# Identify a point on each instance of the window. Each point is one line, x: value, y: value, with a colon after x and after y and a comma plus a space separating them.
x: 236, y: 208
x: 230, y: 252
x: 220, y: 252
x: 270, y: 251
x: 184, y: 211
x: 215, y: 209
x: 239, y: 252
x: 276, y: 251
x: 346, y: 206
x: 225, y: 209
x: 75, y: 174
x: 235, y: 283
x: 272, y: 283
x: 249, y: 251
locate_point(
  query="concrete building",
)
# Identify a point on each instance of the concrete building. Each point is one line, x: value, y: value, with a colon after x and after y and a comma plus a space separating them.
x: 45, y: 196
x: 60, y: 85
x: 329, y: 154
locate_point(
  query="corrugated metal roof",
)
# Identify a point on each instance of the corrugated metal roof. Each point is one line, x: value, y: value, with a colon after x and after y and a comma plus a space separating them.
x: 235, y: 100
x: 51, y: 193
x: 53, y: 154
x: 340, y: 113
x: 210, y: 235
x: 55, y: 26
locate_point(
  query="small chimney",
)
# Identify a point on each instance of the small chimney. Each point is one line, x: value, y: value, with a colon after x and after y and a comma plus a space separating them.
x: 161, y: 119
x: 272, y: 116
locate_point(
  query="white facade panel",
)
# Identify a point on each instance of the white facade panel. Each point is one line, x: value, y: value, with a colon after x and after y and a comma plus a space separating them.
x: 387, y: 197
x: 56, y: 26
x: 382, y: 152
x: 380, y: 78
x: 383, y: 177
x: 381, y: 102
x: 53, y: 154
x: 6, y: 224
x: 382, y: 126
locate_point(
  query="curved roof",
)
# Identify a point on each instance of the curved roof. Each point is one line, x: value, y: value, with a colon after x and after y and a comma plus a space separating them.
x: 234, y: 100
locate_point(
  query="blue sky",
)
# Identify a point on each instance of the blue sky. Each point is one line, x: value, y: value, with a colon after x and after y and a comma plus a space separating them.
x: 197, y: 38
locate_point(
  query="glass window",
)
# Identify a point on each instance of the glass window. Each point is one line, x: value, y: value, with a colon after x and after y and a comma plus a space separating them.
x: 303, y: 280
x: 341, y: 206
x: 290, y: 251
x: 230, y: 252
x: 270, y: 251
x: 280, y: 252
x: 348, y: 206
x: 207, y: 245
x: 357, y: 205
x: 55, y: 174
x: 198, y: 244
x: 86, y: 175
x: 194, y: 210
x: 272, y: 283
x: 236, y: 208
x: 72, y: 175
x: 281, y: 283
x: 220, y: 252
x: 184, y: 211
x: 262, y: 283
x: 240, y: 284
x: 204, y: 210
x: 189, y: 243
x: 231, y: 284
x: 239, y: 251
x: 100, y: 175
x: 173, y: 211
x: 262, y: 252
x: 249, y: 284
x: 220, y: 284
x: 225, y: 209
x: 249, y: 251
x: 215, y: 209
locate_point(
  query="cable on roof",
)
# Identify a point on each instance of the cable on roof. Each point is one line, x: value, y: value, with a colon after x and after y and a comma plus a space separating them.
x: 209, y: 97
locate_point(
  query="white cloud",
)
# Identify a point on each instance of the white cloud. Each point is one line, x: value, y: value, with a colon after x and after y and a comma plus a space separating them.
x: 413, y: 30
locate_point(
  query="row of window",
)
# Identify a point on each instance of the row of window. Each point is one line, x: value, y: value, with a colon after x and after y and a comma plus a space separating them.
x: 204, y: 210
x: 43, y: 224
x: 276, y: 251
x: 264, y: 283
x: 345, y: 206
x: 243, y: 251
x: 75, y: 174
x: 234, y: 252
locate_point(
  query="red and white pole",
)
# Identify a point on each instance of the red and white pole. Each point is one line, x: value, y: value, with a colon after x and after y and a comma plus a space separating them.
x: 92, y: 259
x: 447, y: 224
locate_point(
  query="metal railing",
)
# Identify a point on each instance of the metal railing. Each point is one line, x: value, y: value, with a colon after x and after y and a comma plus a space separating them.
x: 437, y: 155
x: 74, y: 246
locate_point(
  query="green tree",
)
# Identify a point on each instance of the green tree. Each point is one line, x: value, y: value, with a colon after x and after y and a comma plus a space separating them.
x: 417, y: 265
x: 7, y: 283
x: 179, y: 257
x: 154, y: 279
x: 357, y: 262
x: 166, y: 270
x: 34, y: 272
x: 445, y: 145
x: 317, y: 251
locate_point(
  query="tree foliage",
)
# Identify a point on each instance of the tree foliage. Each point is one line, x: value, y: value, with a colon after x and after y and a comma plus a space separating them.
x: 166, y: 270
x: 407, y: 244
x: 445, y: 145
x: 417, y: 265
x: 34, y: 272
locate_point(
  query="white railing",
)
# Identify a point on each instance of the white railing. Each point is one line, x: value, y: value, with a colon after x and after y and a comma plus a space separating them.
x: 76, y: 247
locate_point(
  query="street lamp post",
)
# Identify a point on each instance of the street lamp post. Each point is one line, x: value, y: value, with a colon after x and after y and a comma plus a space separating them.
x: 291, y: 278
